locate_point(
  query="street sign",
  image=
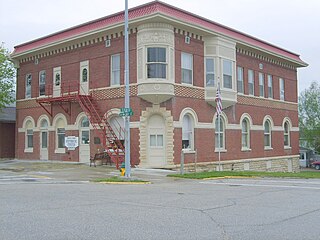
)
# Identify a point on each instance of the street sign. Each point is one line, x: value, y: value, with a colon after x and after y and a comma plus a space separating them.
x: 125, y: 112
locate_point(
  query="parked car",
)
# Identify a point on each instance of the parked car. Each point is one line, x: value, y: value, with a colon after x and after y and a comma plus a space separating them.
x: 316, y: 165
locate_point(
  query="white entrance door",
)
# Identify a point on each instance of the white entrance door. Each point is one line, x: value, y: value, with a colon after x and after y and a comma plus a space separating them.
x: 56, y: 82
x: 84, y: 78
x: 156, y: 142
x: 84, y: 146
x: 44, y: 140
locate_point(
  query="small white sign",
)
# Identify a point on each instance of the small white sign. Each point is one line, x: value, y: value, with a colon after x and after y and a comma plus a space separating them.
x: 71, y: 142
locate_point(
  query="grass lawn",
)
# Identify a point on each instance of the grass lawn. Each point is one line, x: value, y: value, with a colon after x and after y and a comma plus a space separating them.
x: 216, y: 174
x: 119, y: 180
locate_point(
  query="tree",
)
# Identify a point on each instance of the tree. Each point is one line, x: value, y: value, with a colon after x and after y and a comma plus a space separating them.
x: 309, y: 116
x: 7, y: 78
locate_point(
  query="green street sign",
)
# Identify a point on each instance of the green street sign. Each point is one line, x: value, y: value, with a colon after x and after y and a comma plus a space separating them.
x: 124, y: 114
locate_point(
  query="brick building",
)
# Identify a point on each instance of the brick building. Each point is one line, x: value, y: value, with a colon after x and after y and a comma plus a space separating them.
x: 7, y: 131
x: 71, y: 83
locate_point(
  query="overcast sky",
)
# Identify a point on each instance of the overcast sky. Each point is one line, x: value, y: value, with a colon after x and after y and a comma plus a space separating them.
x: 290, y: 24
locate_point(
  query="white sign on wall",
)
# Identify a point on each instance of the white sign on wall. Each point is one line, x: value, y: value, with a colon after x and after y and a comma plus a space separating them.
x: 71, y: 142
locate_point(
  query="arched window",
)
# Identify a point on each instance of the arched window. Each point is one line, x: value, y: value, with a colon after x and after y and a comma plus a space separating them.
x: 267, y: 134
x: 245, y: 134
x: 220, y: 133
x: 29, y: 135
x: 286, y: 134
x: 187, y: 132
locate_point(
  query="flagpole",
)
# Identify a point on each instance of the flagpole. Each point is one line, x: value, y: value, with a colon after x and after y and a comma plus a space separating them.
x: 219, y: 141
x: 219, y: 111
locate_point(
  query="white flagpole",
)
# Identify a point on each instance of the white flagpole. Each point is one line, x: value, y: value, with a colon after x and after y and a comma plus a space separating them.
x: 219, y: 141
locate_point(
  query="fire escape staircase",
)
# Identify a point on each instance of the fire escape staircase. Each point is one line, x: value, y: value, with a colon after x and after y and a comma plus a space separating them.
x: 71, y: 93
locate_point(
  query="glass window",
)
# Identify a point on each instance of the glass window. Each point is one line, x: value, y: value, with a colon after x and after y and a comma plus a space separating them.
x: 281, y: 89
x: 219, y: 134
x: 186, y: 68
x: 240, y: 79
x: 267, y: 134
x: 84, y: 75
x: 156, y: 140
x: 210, y: 76
x: 57, y: 79
x: 227, y: 74
x: 251, y: 82
x: 286, y: 133
x: 85, y: 122
x: 156, y: 62
x: 42, y: 83
x: 245, y: 134
x: 270, y: 88
x: 85, y: 136
x: 187, y: 132
x: 261, y: 84
x: 115, y: 69
x: 29, y: 138
x: 28, y: 85
x: 44, y: 139
x: 61, y: 133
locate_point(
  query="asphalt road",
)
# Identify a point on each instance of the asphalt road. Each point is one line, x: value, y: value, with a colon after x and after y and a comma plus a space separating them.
x: 167, y: 209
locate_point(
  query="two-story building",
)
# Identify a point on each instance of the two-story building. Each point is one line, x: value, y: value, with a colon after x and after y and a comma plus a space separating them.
x: 71, y: 83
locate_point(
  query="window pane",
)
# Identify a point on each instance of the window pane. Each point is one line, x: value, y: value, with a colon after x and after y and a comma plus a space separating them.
x: 42, y: 83
x: 227, y: 74
x: 186, y: 68
x: 84, y: 75
x: 30, y: 141
x: 57, y: 79
x: 251, y: 82
x: 85, y: 137
x: 270, y: 91
x: 240, y: 79
x: 209, y: 72
x: 115, y: 70
x: 261, y: 85
x: 286, y: 140
x: 156, y: 55
x: 186, y: 76
x: 281, y: 89
x: 61, y: 137
x: 244, y: 140
x: 28, y: 85
x: 267, y: 140
x: 44, y: 139
x: 157, y: 70
x: 159, y: 140
x: 85, y: 122
x: 185, y: 144
x: 153, y: 141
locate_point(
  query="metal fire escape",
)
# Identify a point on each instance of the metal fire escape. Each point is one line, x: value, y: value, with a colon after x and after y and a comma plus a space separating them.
x: 72, y: 92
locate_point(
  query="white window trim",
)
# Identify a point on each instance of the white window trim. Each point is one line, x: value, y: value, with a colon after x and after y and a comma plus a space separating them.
x: 44, y: 83
x: 187, y: 54
x: 223, y: 149
x: 263, y: 92
x: 233, y: 70
x: 165, y: 63
x: 270, y: 133
x: 241, y: 77
x: 270, y: 79
x: 280, y: 90
x: 250, y: 70
x: 206, y: 72
x: 248, y: 147
x: 111, y: 70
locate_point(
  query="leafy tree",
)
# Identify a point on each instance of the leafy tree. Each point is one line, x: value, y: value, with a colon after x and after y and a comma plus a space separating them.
x: 7, y: 76
x: 309, y: 116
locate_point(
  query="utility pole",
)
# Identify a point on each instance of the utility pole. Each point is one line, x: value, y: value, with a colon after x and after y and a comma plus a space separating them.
x: 126, y: 98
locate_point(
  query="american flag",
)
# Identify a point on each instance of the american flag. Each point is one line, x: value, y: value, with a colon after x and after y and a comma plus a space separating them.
x: 218, y: 101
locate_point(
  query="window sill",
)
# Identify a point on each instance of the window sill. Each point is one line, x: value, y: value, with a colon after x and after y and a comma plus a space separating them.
x: 245, y: 149
x: 287, y: 148
x: 222, y: 150
x: 28, y: 150
x: 187, y: 84
x: 60, y: 150
x: 268, y: 148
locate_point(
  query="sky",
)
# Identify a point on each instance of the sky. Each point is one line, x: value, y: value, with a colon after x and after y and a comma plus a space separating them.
x: 290, y: 24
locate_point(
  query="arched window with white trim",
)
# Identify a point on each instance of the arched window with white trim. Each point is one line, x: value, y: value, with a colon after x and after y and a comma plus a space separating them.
x: 286, y: 134
x: 187, y: 132
x: 245, y: 134
x: 220, y: 133
x: 60, y: 134
x: 29, y: 135
x: 267, y: 134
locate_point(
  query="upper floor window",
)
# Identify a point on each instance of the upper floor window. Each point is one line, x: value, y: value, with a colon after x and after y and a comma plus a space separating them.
x: 227, y: 73
x: 245, y: 134
x: 28, y: 85
x: 42, y: 83
x: 186, y: 68
x: 251, y: 82
x: 84, y: 75
x: 286, y: 133
x: 57, y: 79
x: 210, y: 75
x: 267, y: 134
x: 261, y: 84
x: 115, y: 69
x: 240, y: 79
x: 187, y: 132
x: 156, y: 62
x: 270, y: 88
x: 281, y: 84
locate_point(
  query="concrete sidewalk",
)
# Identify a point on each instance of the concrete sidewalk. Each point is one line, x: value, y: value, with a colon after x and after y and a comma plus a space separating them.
x: 70, y: 171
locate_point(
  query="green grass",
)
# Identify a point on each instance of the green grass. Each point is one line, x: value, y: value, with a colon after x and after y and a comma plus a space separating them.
x: 119, y: 180
x: 215, y: 174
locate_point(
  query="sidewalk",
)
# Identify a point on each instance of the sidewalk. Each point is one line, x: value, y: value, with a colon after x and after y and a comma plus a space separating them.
x: 70, y: 171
